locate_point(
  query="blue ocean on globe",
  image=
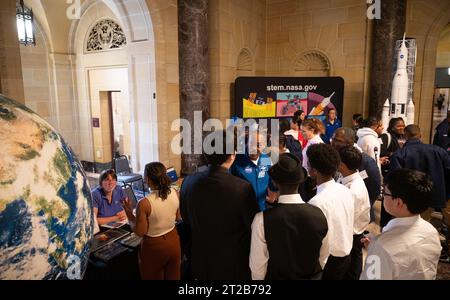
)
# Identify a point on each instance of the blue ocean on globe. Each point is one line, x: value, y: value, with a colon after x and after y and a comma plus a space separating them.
x: 46, y: 221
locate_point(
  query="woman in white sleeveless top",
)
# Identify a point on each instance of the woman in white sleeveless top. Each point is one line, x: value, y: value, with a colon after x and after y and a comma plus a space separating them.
x: 156, y: 215
x: 311, y: 130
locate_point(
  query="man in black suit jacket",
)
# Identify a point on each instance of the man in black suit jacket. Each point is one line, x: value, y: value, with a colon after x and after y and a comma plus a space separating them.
x: 287, y: 239
x: 219, y: 208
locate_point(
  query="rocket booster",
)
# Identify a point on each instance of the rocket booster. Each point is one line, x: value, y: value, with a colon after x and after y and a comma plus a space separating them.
x: 399, y: 95
x: 385, y: 115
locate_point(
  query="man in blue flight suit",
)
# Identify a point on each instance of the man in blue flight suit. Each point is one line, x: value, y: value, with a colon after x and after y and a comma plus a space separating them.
x: 253, y: 166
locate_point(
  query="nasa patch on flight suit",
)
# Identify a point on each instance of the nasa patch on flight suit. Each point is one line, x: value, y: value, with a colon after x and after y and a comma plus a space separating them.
x: 248, y: 170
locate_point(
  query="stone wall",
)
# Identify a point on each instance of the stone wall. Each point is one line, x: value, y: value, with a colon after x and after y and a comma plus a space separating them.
x: 36, y: 81
x: 236, y: 29
x: 425, y: 21
x: 443, y: 49
x: 165, y: 26
x: 333, y: 29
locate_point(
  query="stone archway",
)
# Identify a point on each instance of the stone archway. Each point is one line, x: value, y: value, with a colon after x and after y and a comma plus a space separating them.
x: 138, y: 56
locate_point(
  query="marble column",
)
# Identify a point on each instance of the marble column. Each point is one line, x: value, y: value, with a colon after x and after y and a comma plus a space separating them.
x: 194, y: 73
x: 11, y: 80
x: 389, y: 28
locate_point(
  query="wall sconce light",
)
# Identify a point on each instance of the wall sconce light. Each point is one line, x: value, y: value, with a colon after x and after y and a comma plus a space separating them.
x: 25, y: 19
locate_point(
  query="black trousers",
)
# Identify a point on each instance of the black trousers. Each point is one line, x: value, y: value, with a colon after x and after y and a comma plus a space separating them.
x: 336, y: 267
x: 356, y: 259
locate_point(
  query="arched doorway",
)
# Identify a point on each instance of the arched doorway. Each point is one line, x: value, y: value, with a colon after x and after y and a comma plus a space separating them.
x: 134, y: 59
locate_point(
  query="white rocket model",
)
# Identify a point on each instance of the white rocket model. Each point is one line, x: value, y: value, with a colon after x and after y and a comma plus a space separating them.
x: 399, y: 105
x: 385, y: 115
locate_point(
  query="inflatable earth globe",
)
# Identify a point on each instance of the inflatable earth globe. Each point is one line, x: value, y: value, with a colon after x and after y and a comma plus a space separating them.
x: 46, y: 221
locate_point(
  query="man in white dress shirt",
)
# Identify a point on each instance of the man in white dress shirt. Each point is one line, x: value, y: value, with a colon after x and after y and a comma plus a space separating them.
x: 408, y: 247
x: 286, y: 239
x: 350, y: 161
x: 337, y: 203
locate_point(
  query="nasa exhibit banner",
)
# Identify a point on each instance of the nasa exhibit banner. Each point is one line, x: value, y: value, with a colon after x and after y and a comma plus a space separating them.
x: 280, y: 97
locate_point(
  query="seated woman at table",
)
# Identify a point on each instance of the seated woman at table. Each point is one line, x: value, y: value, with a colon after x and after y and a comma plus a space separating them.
x: 108, y: 198
x: 156, y: 214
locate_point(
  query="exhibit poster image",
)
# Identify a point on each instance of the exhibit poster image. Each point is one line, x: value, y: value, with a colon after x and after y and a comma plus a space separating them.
x: 281, y: 97
x: 289, y: 103
x: 259, y: 105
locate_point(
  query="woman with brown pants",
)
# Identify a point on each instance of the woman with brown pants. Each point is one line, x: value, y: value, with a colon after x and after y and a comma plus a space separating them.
x: 156, y: 214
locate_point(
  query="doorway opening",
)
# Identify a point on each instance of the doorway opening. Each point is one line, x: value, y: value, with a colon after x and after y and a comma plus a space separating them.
x: 111, y: 131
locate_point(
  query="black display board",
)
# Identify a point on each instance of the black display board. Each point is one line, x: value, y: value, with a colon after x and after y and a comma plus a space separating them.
x: 280, y: 97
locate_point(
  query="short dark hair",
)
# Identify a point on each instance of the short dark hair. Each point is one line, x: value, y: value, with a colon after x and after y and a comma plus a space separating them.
x: 413, y: 187
x: 371, y: 121
x: 296, y: 119
x: 351, y: 157
x: 324, y: 158
x: 357, y: 117
x: 228, y: 142
x: 284, y: 126
x: 412, y: 131
x: 105, y: 174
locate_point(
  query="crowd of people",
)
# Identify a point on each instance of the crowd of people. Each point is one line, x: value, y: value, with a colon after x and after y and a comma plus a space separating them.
x: 304, y: 216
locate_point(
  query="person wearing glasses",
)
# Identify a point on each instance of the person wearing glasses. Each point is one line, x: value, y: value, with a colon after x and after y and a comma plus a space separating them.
x: 107, y: 199
x: 409, y: 247
x: 368, y: 138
